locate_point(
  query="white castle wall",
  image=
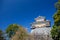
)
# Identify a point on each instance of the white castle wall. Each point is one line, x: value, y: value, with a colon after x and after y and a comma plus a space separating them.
x: 41, y: 29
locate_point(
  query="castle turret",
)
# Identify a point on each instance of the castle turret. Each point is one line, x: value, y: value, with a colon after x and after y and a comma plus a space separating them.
x: 40, y: 21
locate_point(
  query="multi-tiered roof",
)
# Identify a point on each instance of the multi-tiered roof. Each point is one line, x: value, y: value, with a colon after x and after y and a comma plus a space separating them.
x: 40, y: 21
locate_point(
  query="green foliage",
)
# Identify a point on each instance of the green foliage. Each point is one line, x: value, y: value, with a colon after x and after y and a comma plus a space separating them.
x: 57, y: 5
x: 12, y: 29
x: 55, y: 32
x: 16, y: 32
x: 57, y: 18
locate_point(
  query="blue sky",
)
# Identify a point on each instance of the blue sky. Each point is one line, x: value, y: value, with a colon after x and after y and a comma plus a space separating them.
x: 23, y: 12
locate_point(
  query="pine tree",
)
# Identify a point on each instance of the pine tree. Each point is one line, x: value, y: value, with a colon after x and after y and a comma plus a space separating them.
x: 55, y: 32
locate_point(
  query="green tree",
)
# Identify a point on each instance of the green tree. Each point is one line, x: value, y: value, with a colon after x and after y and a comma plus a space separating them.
x: 12, y: 29
x: 16, y: 32
x: 1, y: 35
x: 55, y: 32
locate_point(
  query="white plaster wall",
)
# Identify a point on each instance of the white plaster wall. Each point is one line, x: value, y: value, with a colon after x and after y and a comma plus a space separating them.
x: 39, y: 25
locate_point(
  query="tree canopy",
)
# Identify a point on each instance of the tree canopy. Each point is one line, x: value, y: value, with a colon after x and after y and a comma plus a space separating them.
x: 12, y: 29
x: 55, y: 32
x: 16, y: 32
